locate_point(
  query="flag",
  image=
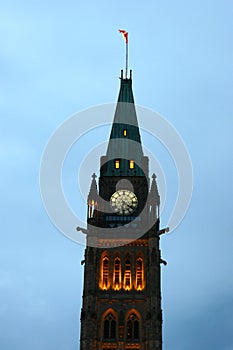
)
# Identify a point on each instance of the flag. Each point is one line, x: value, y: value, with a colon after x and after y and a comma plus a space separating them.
x: 124, y: 34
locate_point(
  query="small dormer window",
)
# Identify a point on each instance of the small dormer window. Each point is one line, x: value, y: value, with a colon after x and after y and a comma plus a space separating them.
x: 117, y: 164
x: 131, y: 164
x: 125, y: 132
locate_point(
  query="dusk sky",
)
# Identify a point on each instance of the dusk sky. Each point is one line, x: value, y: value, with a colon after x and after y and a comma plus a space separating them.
x: 62, y: 57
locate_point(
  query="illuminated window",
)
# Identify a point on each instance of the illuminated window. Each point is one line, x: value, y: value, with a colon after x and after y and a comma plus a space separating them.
x: 117, y: 274
x: 105, y: 273
x: 127, y: 276
x: 132, y: 327
x: 131, y: 164
x: 117, y: 164
x: 125, y: 132
x: 139, y: 274
x: 109, y: 327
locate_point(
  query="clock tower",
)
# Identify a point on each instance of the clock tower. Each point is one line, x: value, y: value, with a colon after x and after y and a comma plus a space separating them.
x: 121, y: 306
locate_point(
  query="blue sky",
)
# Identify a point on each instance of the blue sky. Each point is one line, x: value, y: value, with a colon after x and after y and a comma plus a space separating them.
x: 58, y: 58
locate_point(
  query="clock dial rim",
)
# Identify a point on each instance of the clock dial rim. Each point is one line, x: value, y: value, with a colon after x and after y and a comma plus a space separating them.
x: 123, y: 202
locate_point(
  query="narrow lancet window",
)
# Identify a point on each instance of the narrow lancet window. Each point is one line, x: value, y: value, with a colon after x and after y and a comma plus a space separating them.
x: 105, y: 274
x: 139, y: 274
x: 117, y: 274
x: 127, y: 276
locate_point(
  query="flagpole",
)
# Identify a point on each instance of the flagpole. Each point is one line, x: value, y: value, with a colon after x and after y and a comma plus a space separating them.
x: 125, y: 36
x: 126, y: 59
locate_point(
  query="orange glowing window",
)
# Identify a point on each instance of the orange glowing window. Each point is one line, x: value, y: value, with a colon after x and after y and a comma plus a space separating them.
x: 117, y: 274
x: 125, y: 132
x: 117, y: 164
x: 105, y: 272
x: 131, y: 164
x: 127, y: 276
x: 139, y: 274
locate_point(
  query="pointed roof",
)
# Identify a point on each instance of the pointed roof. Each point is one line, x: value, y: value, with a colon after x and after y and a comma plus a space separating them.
x: 93, y: 193
x: 154, y: 193
x: 125, y: 140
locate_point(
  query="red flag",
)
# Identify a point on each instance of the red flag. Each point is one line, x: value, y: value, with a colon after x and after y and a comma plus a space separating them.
x: 124, y: 34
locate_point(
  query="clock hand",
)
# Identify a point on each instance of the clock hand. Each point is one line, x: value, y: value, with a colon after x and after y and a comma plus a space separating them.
x: 124, y: 202
x: 128, y: 205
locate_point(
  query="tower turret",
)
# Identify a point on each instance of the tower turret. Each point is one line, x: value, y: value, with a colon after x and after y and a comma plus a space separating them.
x: 92, y: 200
x: 154, y: 200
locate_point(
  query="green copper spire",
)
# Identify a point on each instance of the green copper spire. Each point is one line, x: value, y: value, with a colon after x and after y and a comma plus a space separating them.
x: 125, y: 141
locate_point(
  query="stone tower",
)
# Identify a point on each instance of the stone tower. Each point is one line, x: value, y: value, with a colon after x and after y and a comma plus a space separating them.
x: 122, y: 292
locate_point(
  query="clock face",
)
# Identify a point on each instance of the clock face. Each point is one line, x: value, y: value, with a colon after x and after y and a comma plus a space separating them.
x: 123, y: 202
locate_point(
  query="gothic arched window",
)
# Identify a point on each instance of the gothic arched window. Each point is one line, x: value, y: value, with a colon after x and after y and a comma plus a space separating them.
x: 109, y: 326
x: 139, y: 274
x: 132, y: 327
x: 117, y: 274
x: 105, y: 273
x: 127, y: 276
